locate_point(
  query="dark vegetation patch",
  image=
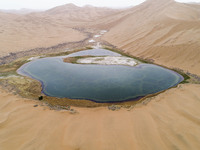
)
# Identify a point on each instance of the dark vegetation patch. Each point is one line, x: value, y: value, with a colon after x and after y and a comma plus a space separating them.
x: 188, y: 77
x: 185, y: 76
x: 74, y: 59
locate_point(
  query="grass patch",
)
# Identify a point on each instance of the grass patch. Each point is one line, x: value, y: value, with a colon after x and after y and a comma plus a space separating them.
x: 70, y: 60
x: 89, y: 47
x: 11, y: 68
x: 74, y: 59
x: 24, y: 86
x: 185, y: 76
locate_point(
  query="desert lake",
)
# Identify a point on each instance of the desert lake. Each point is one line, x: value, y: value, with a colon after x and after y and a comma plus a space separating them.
x: 97, y: 82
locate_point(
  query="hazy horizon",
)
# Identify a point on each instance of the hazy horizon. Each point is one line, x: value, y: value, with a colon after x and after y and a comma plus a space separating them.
x: 47, y: 4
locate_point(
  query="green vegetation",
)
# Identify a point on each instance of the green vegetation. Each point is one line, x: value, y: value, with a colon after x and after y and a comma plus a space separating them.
x: 24, y: 86
x: 89, y: 47
x: 185, y: 76
x: 11, y: 68
x: 74, y: 59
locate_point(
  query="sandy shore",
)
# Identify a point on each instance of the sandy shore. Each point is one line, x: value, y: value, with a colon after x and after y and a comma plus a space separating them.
x: 108, y: 60
x: 169, y: 121
x: 160, y: 30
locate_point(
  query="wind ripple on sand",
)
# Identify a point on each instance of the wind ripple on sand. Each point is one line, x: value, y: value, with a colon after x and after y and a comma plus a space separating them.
x: 170, y: 121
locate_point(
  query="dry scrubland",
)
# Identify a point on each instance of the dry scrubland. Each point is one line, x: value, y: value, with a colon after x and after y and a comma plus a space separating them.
x: 164, y: 31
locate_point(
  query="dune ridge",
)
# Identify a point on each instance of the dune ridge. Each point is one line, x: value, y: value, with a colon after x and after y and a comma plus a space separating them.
x: 78, y: 14
x: 162, y: 30
x: 19, y: 33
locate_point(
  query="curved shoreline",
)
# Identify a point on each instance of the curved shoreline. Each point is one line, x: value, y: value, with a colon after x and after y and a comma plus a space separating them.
x: 59, y: 48
x: 86, y: 103
x: 93, y: 103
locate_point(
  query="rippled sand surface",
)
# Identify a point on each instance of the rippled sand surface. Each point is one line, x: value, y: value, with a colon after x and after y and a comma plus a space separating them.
x: 161, y: 30
x: 169, y: 121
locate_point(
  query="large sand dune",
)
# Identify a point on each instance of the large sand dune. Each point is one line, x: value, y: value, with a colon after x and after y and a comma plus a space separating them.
x: 165, y: 31
x: 170, y: 121
x: 24, y: 32
x: 46, y: 28
x: 77, y: 14
x: 162, y: 30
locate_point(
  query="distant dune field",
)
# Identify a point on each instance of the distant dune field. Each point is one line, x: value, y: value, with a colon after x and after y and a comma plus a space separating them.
x: 164, y: 31
x: 19, y: 33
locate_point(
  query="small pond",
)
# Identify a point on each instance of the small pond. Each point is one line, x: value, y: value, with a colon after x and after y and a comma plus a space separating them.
x: 99, y: 83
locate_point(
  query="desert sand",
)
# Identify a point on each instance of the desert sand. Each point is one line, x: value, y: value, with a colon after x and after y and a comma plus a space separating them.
x: 20, y: 33
x: 169, y: 121
x: 162, y: 30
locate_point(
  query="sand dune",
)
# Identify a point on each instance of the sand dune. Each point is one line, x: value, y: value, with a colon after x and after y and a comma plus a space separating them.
x: 159, y: 30
x: 75, y: 13
x: 162, y: 30
x: 24, y: 32
x: 170, y: 121
x: 46, y: 29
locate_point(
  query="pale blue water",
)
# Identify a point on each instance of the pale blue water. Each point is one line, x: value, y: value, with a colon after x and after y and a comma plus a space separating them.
x: 99, y: 83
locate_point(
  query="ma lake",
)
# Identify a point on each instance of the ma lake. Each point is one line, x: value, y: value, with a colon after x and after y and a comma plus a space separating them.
x: 98, y: 80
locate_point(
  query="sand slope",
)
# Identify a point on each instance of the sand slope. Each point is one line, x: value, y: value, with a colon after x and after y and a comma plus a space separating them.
x: 163, y: 30
x: 24, y: 32
x: 72, y: 12
x: 170, y: 121
x: 46, y: 29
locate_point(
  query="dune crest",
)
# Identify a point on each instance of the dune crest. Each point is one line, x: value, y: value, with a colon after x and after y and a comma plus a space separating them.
x: 159, y: 30
x: 164, y: 31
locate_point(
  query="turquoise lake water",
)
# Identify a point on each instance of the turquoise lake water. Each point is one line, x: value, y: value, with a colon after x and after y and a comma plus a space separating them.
x: 99, y: 83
